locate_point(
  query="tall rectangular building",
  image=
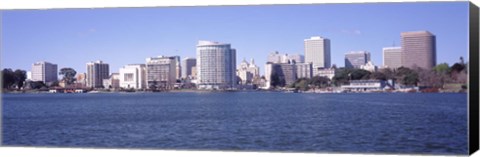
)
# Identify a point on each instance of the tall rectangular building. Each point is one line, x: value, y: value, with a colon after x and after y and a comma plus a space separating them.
x: 418, y: 49
x: 187, y: 65
x: 356, y: 59
x: 317, y: 52
x: 44, y: 71
x: 178, y: 67
x: 133, y: 76
x: 392, y: 57
x: 161, y: 72
x: 216, y: 65
x: 96, y: 72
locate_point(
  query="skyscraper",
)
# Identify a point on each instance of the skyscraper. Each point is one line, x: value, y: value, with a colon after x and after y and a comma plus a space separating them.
x: 187, y: 65
x: 161, y: 72
x: 392, y: 57
x: 44, y: 71
x: 317, y: 52
x: 216, y: 65
x: 418, y: 49
x: 96, y: 72
x: 356, y: 59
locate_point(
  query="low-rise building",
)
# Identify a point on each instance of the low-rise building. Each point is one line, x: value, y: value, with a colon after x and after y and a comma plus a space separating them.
x: 113, y: 82
x: 325, y: 72
x: 368, y: 85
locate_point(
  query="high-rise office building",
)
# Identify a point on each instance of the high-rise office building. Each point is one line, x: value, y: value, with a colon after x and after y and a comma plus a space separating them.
x: 161, y: 72
x: 317, y: 52
x: 418, y: 49
x: 216, y: 65
x: 133, y: 76
x: 44, y: 71
x: 356, y: 59
x: 187, y: 65
x: 286, y: 73
x: 392, y: 57
x: 96, y: 72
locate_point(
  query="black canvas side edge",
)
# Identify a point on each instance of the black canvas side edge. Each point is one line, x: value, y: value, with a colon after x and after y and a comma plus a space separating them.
x: 473, y: 108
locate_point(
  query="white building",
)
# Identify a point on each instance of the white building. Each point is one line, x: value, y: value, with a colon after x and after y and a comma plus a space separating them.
x: 248, y: 71
x: 188, y: 65
x: 369, y: 67
x: 317, y: 52
x: 44, y: 71
x: 304, y: 70
x: 113, y: 82
x: 133, y: 76
x: 276, y: 57
x: 96, y: 72
x: 216, y: 65
x: 161, y: 72
x: 325, y: 72
x: 392, y: 57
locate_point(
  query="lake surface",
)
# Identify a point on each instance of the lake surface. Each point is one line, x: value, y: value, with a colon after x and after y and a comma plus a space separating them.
x: 410, y: 123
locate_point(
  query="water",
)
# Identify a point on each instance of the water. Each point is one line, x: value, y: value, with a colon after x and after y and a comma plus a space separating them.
x: 248, y: 121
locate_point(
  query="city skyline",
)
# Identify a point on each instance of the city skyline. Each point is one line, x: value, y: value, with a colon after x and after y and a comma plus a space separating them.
x: 109, y: 37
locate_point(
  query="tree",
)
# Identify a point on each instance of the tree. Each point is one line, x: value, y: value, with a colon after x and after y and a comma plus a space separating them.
x: 359, y: 74
x: 406, y: 76
x: 319, y: 81
x: 68, y: 75
x: 442, y: 68
x: 378, y: 76
x: 8, y: 78
x: 341, y: 76
x: 20, y: 77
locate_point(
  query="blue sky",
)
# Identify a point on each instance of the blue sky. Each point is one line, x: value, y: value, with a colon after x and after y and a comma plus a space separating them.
x: 120, y: 36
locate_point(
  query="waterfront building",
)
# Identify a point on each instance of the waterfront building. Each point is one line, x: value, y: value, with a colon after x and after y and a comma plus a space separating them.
x: 418, y: 49
x: 303, y: 70
x: 368, y: 85
x: 81, y: 79
x: 216, y: 65
x: 96, y: 72
x: 178, y: 67
x: 355, y: 59
x: 326, y: 72
x: 133, y: 76
x: 188, y: 65
x: 161, y: 72
x: 317, y: 52
x: 369, y: 67
x: 392, y: 57
x: 29, y: 75
x: 45, y: 72
x: 286, y: 73
x: 247, y: 72
x: 113, y: 82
